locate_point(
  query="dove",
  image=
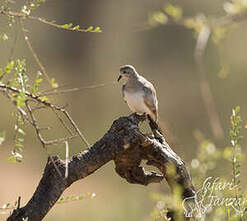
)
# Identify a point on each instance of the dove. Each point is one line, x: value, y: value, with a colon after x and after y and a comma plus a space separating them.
x: 139, y: 93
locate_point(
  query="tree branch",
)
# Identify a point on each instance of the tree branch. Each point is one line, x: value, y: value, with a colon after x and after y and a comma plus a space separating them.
x: 127, y: 146
x: 206, y: 92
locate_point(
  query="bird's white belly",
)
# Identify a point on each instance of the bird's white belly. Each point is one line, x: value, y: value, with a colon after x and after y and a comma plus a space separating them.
x: 136, y: 103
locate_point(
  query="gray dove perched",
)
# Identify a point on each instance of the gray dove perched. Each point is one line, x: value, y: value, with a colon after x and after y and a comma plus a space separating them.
x: 139, y: 93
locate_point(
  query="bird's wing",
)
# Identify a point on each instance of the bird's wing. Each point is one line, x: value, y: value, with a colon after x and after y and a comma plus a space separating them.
x: 123, y: 89
x: 150, y: 99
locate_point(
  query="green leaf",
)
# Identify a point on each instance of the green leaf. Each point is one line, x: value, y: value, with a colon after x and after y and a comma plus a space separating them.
x: 44, y: 98
x: 232, y: 134
x: 21, y: 98
x: 90, y: 28
x: 97, y: 29
x: 237, y: 120
x: 21, y: 131
x: 37, y: 82
x: 19, y: 139
x: 1, y: 72
x: 76, y: 27
x: 73, y: 197
x: 158, y: 18
x: 19, y: 145
x: 54, y: 84
x: 19, y: 159
x: 16, y: 157
x: 66, y: 25
x: 12, y: 159
x: 4, y: 37
x: 2, y: 137
x: 9, y: 67
x: 174, y: 11
x: 19, y: 149
x: 237, y: 109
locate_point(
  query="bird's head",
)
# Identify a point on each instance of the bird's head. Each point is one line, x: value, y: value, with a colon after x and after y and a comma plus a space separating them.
x: 126, y: 71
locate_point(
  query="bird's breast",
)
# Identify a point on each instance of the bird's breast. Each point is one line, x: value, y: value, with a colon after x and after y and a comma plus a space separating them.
x: 135, y: 102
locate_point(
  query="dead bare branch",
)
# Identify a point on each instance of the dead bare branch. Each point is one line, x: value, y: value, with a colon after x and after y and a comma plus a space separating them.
x: 38, y: 99
x: 127, y: 147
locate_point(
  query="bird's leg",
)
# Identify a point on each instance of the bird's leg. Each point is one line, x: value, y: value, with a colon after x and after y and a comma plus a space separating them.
x: 142, y: 125
x: 140, y: 117
x: 154, y: 126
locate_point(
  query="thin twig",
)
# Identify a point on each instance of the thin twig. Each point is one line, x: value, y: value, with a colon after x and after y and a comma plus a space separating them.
x: 38, y: 130
x: 34, y: 54
x: 12, y: 50
x: 34, y: 123
x: 18, y: 202
x: 48, y: 104
x: 79, y: 88
x: 51, y: 23
x: 75, y: 126
x: 11, y: 53
x: 206, y: 93
x: 55, y: 165
x: 66, y: 160
x: 63, y: 123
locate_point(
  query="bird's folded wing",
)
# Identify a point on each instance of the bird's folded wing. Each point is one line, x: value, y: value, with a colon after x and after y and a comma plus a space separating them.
x: 151, y: 101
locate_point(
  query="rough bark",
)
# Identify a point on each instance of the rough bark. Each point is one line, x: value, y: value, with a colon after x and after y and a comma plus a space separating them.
x: 127, y: 146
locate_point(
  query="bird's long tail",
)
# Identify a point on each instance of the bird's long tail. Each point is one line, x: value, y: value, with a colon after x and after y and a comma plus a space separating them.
x: 154, y: 125
x: 159, y: 125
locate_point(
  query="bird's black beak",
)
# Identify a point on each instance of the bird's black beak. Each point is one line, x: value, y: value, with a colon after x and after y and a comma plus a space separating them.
x: 120, y: 76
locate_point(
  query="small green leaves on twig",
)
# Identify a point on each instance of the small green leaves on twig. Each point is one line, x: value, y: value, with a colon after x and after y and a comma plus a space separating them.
x: 37, y: 82
x: 170, y: 13
x: 16, y: 157
x: 157, y: 18
x: 173, y: 11
x: 235, y: 136
x: 72, y: 198
x: 70, y: 27
x: 7, y: 70
x: 235, y: 120
x: 4, y: 37
x: 31, y: 6
x: 93, y: 29
x: 19, y: 139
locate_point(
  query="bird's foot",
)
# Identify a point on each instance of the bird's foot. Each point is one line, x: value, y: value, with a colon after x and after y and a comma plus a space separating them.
x: 139, y: 117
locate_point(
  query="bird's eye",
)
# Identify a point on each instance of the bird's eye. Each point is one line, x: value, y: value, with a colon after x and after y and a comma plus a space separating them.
x: 124, y: 72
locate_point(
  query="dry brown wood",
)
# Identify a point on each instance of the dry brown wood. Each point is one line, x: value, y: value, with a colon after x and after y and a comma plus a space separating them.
x: 127, y: 147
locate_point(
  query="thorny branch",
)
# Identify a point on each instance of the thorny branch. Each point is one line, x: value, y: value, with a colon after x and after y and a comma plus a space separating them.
x: 127, y: 147
x: 36, y: 99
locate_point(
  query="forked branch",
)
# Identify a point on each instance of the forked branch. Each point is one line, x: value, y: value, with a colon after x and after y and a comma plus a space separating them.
x: 127, y: 147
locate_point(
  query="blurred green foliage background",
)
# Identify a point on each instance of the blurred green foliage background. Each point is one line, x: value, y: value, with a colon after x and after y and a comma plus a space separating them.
x: 163, y: 54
